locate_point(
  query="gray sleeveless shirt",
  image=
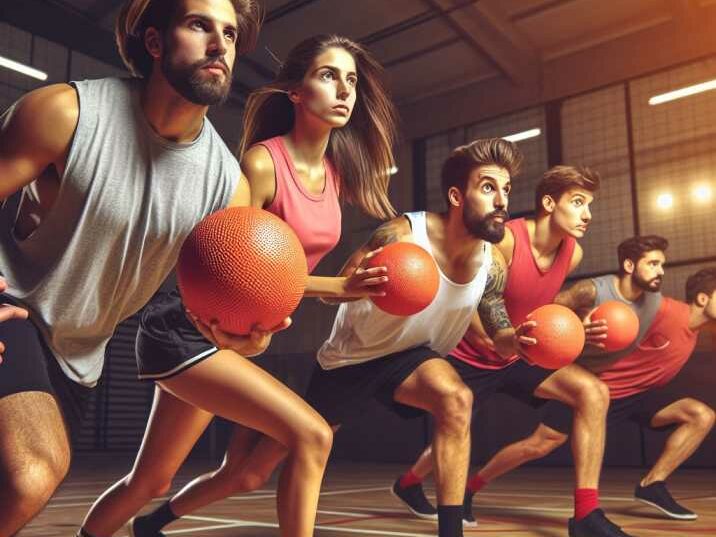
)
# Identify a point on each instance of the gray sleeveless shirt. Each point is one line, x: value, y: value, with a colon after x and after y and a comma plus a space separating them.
x: 646, y: 308
x: 126, y: 201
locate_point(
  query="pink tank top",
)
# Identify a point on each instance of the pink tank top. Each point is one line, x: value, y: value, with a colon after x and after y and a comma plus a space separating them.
x: 527, y: 288
x: 316, y: 218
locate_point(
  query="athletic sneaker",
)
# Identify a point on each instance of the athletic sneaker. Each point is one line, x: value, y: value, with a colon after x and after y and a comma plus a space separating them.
x: 595, y: 524
x: 136, y: 529
x: 414, y: 497
x: 468, y: 519
x: 657, y: 495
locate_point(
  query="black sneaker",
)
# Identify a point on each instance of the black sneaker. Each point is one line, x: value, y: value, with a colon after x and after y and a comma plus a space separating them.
x: 414, y: 498
x: 137, y: 529
x: 595, y: 524
x: 657, y: 495
x: 468, y: 519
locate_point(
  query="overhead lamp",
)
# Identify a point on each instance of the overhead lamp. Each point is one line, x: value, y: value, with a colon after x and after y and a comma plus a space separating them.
x: 524, y: 135
x: 22, y: 68
x: 665, y: 201
x: 683, y: 92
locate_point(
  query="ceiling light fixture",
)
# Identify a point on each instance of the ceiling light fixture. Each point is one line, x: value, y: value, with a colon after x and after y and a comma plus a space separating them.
x: 683, y: 92
x: 22, y: 68
x: 524, y: 135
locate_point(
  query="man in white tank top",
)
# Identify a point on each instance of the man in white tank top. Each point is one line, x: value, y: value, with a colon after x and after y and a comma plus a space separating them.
x: 399, y: 360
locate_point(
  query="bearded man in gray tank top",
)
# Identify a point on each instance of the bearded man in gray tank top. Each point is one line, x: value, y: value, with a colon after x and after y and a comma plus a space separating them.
x: 113, y: 174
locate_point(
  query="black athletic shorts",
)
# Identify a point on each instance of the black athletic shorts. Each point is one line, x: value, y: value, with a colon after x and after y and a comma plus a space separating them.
x: 167, y: 341
x: 518, y: 380
x: 639, y: 408
x: 341, y: 393
x: 30, y: 366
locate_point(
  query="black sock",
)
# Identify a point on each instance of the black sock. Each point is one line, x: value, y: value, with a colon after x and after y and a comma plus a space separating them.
x: 157, y: 519
x: 450, y: 520
x: 83, y: 533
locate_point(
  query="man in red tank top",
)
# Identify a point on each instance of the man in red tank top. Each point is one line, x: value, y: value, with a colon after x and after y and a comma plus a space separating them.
x: 539, y: 253
x: 636, y: 383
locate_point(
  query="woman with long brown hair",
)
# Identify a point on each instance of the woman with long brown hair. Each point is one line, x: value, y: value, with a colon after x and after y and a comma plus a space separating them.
x: 320, y: 134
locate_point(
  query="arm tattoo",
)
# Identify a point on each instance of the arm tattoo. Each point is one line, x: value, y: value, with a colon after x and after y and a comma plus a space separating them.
x: 384, y: 235
x: 581, y: 297
x: 491, y: 308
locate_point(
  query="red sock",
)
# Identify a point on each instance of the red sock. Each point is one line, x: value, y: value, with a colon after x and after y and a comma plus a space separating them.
x: 475, y: 483
x: 409, y: 479
x: 585, y: 501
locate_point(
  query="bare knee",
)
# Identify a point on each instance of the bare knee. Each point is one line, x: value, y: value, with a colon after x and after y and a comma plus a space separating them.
x: 592, y: 395
x: 454, y: 408
x: 543, y: 442
x: 318, y: 438
x: 700, y: 415
x: 31, y: 484
x: 148, y: 487
x: 248, y: 480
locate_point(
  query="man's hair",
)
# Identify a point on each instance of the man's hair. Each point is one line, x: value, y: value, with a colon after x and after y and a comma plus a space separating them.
x: 635, y: 248
x: 703, y: 281
x: 490, y: 151
x: 137, y: 16
x: 560, y: 179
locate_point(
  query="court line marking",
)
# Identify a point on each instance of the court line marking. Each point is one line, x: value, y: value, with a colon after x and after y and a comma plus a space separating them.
x: 231, y: 523
x: 478, y: 507
x: 329, y: 493
x: 342, y: 513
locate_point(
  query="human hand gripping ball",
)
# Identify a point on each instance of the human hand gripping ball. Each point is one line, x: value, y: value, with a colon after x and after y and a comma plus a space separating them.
x: 559, y: 336
x: 622, y: 324
x: 413, y: 278
x: 242, y: 270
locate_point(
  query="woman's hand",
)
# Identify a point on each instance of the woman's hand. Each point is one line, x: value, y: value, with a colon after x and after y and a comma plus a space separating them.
x: 252, y: 344
x: 362, y: 281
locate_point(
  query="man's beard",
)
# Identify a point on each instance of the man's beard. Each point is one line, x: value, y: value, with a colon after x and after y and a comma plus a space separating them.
x: 188, y: 82
x: 486, y: 228
x: 650, y: 286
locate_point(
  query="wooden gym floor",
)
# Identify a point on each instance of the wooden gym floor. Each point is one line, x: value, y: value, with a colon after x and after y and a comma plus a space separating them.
x: 356, y: 500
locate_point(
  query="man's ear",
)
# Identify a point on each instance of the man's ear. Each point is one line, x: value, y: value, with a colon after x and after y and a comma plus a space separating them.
x: 455, y: 197
x: 153, y: 42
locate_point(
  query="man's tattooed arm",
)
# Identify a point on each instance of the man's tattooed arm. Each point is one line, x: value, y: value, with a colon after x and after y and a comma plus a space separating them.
x: 491, y: 308
x: 492, y: 313
x: 387, y: 233
x: 580, y: 298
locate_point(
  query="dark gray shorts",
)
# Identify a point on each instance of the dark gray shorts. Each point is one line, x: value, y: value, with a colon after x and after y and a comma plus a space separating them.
x: 341, y: 393
x: 167, y: 341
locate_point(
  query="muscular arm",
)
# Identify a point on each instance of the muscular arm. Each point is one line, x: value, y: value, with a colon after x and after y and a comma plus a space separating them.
x: 391, y: 231
x: 491, y: 309
x: 580, y: 298
x: 36, y: 133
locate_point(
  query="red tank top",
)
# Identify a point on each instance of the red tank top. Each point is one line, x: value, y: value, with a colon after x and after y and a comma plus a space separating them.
x: 316, y: 218
x: 666, y: 347
x: 527, y: 288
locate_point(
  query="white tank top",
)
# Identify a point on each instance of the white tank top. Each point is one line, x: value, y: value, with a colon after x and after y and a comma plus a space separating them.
x: 363, y: 332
